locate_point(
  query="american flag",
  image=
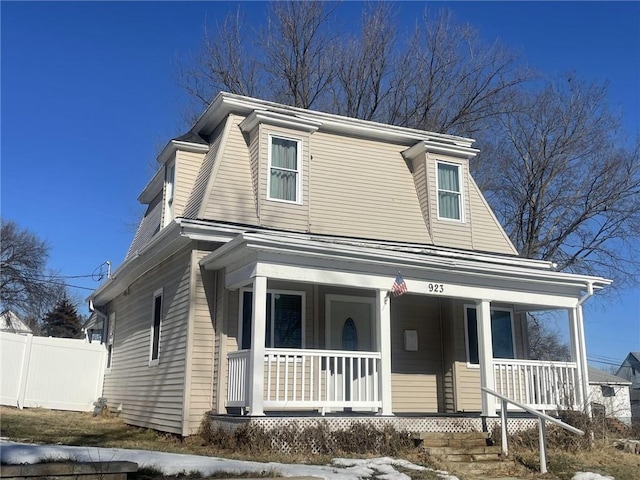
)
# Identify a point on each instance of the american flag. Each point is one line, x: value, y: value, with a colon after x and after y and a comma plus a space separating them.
x: 399, y: 286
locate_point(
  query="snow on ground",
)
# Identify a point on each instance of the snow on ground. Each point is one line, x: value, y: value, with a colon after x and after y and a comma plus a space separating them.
x: 173, y: 463
x: 590, y: 476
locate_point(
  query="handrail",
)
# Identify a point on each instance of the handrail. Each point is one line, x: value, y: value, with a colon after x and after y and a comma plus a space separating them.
x: 542, y: 418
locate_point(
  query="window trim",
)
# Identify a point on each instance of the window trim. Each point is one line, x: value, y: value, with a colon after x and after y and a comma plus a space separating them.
x: 158, y: 293
x: 169, y: 192
x: 111, y: 324
x: 298, y: 200
x: 459, y: 193
x: 466, y: 330
x: 273, y: 292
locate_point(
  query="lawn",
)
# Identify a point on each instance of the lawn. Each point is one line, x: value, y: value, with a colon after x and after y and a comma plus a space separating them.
x: 71, y: 428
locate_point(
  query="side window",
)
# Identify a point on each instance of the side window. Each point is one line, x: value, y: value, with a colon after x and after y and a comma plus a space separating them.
x: 501, y: 334
x: 449, y: 191
x: 169, y: 181
x: 284, y: 169
x: 111, y: 329
x: 156, y: 328
x: 284, y: 323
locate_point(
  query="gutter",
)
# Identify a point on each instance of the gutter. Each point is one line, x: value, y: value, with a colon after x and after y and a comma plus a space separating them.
x: 587, y: 295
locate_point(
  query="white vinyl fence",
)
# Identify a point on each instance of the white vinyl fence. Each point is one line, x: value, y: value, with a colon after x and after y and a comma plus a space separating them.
x: 56, y: 373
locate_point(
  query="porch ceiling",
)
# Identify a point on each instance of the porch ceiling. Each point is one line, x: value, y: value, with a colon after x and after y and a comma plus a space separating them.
x: 471, y: 275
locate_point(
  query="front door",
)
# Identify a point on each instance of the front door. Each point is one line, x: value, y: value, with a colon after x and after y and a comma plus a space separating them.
x: 350, y: 327
x: 350, y: 323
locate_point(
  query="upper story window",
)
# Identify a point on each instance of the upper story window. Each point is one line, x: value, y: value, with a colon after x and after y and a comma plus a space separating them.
x: 449, y: 191
x: 284, y: 169
x: 169, y: 181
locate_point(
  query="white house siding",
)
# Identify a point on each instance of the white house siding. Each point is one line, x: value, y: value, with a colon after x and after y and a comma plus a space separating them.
x: 487, y: 234
x: 617, y: 405
x: 201, y: 183
x: 363, y: 188
x: 279, y: 214
x: 188, y: 165
x: 416, y: 376
x: 201, y: 352
x: 151, y: 396
x: 230, y: 197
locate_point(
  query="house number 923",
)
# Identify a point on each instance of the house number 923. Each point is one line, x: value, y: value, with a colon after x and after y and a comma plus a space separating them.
x: 435, y: 287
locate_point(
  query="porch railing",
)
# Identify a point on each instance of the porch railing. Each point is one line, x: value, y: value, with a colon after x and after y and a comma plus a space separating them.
x: 309, y: 379
x: 540, y: 385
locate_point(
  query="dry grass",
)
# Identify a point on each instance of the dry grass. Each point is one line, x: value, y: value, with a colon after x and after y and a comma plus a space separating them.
x: 71, y: 428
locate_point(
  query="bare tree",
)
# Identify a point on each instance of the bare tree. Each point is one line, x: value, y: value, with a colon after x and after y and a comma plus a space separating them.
x: 299, y: 49
x: 224, y: 62
x: 449, y: 81
x: 26, y: 285
x: 364, y: 66
x: 564, y: 180
x: 545, y: 342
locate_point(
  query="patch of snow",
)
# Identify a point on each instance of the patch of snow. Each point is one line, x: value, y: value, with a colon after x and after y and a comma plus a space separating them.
x: 590, y: 476
x: 174, y: 463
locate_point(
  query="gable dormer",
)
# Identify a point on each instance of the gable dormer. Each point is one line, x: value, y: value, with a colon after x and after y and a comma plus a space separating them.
x: 456, y: 213
x: 181, y: 160
x: 279, y: 151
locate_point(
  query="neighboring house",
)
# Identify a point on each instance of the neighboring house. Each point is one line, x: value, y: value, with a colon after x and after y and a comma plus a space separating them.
x: 609, y: 395
x: 259, y: 280
x: 630, y: 370
x: 10, y: 322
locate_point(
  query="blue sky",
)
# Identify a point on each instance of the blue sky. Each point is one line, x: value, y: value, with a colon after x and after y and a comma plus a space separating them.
x: 89, y: 97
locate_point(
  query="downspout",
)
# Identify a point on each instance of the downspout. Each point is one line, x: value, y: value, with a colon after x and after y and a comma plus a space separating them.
x: 583, y: 348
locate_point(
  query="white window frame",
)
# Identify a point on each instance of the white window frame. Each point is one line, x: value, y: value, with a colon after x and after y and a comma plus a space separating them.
x: 298, y: 200
x: 169, y: 192
x: 272, y: 306
x: 158, y: 293
x: 460, y: 193
x: 111, y: 329
x: 466, y: 330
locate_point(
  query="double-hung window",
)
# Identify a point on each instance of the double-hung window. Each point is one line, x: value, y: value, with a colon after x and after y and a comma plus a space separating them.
x: 502, y: 337
x: 449, y: 191
x: 156, y: 327
x: 284, y: 323
x: 284, y: 169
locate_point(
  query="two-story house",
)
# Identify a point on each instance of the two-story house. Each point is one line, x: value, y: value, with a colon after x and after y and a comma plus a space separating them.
x: 259, y: 280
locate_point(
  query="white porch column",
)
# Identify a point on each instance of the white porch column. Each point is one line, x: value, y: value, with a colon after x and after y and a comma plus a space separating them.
x: 485, y: 356
x: 256, y: 355
x: 383, y: 340
x: 576, y: 355
x: 583, y: 360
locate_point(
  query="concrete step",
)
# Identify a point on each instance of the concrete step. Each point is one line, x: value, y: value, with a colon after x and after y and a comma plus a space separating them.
x: 471, y: 458
x: 475, y: 450
x: 450, y: 435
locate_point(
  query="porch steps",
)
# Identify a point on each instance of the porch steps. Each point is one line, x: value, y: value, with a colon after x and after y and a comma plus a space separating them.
x: 459, y: 447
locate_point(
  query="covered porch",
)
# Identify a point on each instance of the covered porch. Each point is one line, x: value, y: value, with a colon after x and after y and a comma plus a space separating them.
x: 318, y: 331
